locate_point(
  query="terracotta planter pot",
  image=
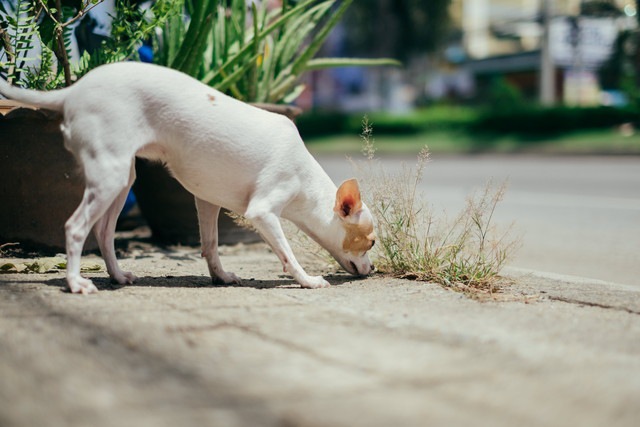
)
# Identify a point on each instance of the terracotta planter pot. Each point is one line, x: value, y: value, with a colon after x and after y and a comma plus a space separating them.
x: 170, y: 209
x: 41, y: 182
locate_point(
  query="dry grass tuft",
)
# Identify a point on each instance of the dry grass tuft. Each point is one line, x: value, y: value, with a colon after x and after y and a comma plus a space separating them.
x: 465, y: 253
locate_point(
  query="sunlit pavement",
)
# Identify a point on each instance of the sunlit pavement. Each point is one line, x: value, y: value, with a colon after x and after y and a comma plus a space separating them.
x: 173, y: 350
x: 577, y: 215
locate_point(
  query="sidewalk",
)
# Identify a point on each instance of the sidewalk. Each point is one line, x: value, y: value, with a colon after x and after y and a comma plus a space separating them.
x: 174, y: 351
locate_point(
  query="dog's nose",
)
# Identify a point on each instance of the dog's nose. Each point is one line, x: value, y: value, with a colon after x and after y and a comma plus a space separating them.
x: 372, y: 268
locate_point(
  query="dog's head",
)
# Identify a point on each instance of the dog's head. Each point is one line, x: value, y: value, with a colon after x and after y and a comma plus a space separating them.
x: 355, y: 234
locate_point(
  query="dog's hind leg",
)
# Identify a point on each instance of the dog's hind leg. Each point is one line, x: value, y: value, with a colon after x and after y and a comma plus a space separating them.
x: 208, y: 222
x: 105, y: 181
x: 104, y: 231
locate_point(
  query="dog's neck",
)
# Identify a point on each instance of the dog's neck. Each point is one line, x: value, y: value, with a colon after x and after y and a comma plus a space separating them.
x: 312, y: 211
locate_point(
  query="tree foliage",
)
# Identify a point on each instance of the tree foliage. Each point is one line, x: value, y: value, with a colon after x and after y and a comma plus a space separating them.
x: 397, y: 28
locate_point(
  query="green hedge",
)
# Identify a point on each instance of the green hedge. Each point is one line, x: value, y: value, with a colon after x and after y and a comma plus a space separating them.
x: 324, y: 123
x: 523, y: 121
x: 435, y: 118
x: 554, y: 120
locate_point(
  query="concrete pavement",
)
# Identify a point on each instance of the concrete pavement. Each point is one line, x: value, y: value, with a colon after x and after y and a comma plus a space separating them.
x: 174, y: 351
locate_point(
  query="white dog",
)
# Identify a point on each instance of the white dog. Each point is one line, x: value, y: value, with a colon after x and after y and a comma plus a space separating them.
x: 227, y: 153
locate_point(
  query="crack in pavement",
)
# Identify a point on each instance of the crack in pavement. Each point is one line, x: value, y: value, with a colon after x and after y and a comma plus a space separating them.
x: 592, y: 304
x: 274, y: 340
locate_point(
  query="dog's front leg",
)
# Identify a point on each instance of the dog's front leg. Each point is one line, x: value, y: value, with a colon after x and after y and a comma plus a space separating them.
x: 268, y: 225
x: 208, y: 222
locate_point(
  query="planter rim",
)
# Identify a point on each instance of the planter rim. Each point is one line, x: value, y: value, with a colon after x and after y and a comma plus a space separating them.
x: 291, y: 111
x: 10, y: 109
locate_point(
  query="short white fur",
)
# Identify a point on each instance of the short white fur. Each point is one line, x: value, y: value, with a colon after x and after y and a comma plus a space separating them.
x: 227, y: 153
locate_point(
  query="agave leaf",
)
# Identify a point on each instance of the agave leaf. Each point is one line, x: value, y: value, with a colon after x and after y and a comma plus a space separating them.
x: 219, y: 37
x: 283, y: 88
x: 231, y: 79
x: 298, y: 31
x: 279, y: 22
x: 202, y: 9
x: 322, y: 63
x: 320, y: 37
x: 253, y: 70
x: 294, y: 94
x: 192, y: 62
x: 238, y: 18
x: 172, y: 37
x: 269, y: 62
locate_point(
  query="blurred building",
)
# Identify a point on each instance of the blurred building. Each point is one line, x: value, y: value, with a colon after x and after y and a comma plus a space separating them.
x: 498, y: 27
x: 489, y: 40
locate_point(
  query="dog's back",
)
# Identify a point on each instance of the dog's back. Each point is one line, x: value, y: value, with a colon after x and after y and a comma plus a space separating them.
x: 203, y: 136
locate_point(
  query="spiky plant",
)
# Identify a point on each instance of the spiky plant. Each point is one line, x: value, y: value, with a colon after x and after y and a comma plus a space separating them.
x: 254, y: 54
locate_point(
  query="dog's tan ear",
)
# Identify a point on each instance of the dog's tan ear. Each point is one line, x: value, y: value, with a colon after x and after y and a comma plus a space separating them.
x: 348, y: 201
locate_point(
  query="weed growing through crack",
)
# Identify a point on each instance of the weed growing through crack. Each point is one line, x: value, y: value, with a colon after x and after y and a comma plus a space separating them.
x: 465, y: 253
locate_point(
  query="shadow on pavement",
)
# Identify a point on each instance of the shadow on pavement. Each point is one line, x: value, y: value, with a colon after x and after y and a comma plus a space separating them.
x: 105, y: 283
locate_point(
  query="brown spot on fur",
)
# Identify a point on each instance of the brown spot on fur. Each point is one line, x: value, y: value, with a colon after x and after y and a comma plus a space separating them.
x: 211, y: 97
x: 359, y: 238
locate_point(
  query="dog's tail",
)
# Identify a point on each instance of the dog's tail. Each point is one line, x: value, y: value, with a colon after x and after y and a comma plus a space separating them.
x: 52, y: 100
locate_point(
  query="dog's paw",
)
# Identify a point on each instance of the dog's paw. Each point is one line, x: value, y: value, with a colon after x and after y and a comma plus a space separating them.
x: 314, y: 282
x: 124, y: 278
x: 227, y: 279
x: 80, y: 285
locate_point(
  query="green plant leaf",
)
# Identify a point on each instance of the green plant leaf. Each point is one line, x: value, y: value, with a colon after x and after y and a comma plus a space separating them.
x: 235, y: 76
x: 294, y: 94
x: 241, y: 54
x: 322, y: 63
x: 8, y: 267
x: 202, y: 12
x: 320, y: 37
x: 193, y: 60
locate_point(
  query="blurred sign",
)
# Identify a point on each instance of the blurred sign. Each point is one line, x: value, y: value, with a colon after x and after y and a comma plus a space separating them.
x: 582, y: 42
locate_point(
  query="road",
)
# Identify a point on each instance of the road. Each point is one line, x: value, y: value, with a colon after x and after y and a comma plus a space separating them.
x: 578, y: 216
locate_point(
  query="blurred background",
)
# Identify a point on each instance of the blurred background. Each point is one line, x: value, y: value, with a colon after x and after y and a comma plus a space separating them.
x: 487, y: 66
x: 541, y: 94
x: 477, y: 75
x: 572, y: 52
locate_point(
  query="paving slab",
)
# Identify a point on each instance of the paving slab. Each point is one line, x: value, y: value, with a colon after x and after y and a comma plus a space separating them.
x: 175, y: 350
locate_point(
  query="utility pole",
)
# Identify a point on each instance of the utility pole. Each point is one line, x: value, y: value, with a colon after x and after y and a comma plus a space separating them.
x: 547, y: 70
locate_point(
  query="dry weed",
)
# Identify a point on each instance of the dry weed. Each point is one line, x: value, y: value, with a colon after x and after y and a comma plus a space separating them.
x: 465, y: 253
